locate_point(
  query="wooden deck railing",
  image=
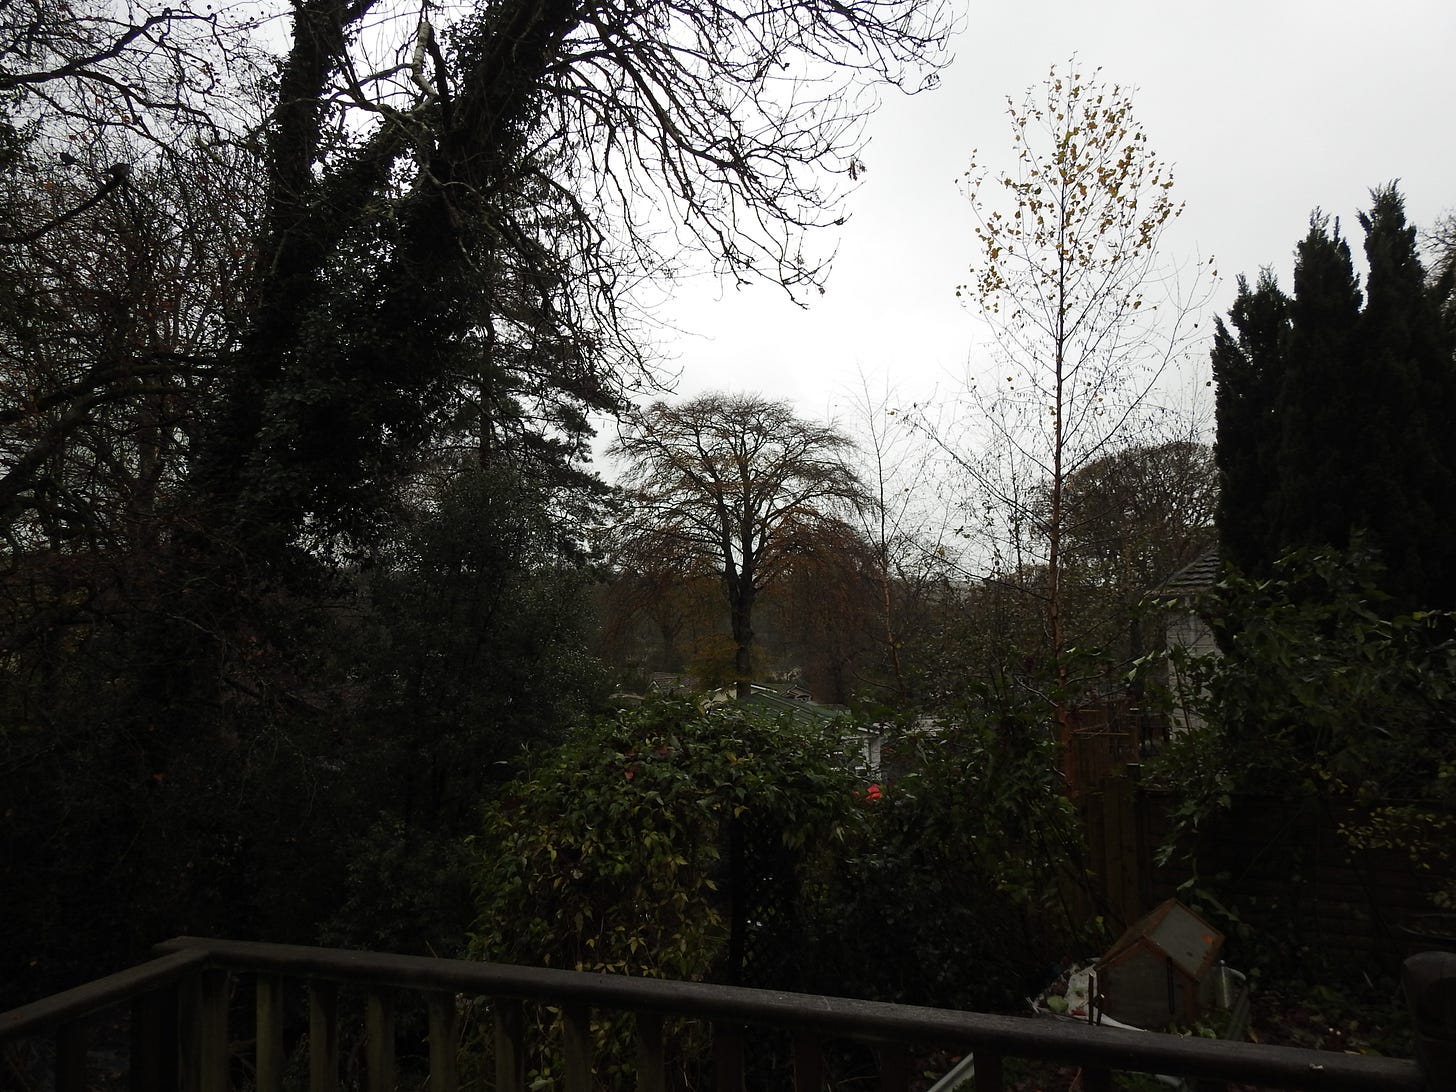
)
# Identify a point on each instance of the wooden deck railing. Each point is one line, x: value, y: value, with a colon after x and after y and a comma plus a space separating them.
x: 180, y: 1032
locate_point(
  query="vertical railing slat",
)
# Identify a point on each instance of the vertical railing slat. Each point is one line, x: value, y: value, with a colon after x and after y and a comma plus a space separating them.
x: 808, y: 1063
x: 988, y: 1071
x: 269, y: 1054
x: 727, y: 1058
x: 204, y: 1039
x: 894, y: 1067
x: 651, y: 1055
x: 444, y: 1068
x: 379, y: 1041
x: 576, y: 1045
x: 70, y: 1043
x: 323, y: 1037
x: 153, y: 1063
x: 510, y: 1047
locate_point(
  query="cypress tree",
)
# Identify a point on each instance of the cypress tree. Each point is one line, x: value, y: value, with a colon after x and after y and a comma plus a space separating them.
x: 1246, y: 369
x: 1407, y: 487
x: 1319, y: 397
x: 1332, y: 410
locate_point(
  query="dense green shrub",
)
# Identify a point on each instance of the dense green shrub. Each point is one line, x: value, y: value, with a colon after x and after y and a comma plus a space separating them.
x: 952, y: 894
x: 626, y: 850
x: 1327, y: 699
x: 641, y: 844
x: 613, y: 852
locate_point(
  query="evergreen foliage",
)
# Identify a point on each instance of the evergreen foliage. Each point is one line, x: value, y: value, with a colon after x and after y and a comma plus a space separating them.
x: 1329, y: 700
x: 1246, y: 370
x: 612, y: 852
x: 952, y: 894
x: 719, y: 845
x: 1333, y: 409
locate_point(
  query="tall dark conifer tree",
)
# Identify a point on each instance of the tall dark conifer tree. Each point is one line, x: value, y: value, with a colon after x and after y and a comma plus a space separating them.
x: 1407, y: 486
x: 1246, y: 368
x: 1318, y: 403
x: 1333, y: 410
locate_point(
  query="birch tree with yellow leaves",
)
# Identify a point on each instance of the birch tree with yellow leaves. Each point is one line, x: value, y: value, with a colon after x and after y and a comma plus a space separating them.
x: 1084, y: 316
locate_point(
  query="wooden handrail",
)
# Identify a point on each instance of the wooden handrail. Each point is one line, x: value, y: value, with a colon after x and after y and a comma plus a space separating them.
x: 205, y: 966
x: 76, y: 1004
x: 1100, y: 1048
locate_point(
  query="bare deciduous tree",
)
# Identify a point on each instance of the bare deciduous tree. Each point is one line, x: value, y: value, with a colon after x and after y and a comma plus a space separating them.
x: 738, y: 483
x: 1085, y: 317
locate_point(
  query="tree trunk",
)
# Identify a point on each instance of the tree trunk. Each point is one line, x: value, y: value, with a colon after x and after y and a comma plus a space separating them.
x: 743, y: 642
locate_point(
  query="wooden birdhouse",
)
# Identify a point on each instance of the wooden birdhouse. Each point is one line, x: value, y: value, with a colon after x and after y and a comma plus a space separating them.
x: 1153, y: 975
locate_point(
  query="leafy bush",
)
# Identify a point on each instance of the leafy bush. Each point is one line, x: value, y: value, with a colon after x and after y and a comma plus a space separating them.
x: 1325, y: 698
x: 611, y: 854
x: 623, y: 850
x: 952, y: 893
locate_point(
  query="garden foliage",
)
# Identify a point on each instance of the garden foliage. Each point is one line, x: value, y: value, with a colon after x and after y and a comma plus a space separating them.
x: 955, y: 893
x: 1326, y: 698
x: 717, y: 845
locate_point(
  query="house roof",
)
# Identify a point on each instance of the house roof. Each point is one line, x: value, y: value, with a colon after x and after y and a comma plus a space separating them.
x: 766, y: 699
x: 1199, y: 575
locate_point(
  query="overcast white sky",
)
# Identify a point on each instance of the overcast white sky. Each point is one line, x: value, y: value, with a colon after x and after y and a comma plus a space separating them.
x: 1266, y: 110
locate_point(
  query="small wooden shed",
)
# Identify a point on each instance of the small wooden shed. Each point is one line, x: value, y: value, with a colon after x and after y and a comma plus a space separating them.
x: 1153, y: 975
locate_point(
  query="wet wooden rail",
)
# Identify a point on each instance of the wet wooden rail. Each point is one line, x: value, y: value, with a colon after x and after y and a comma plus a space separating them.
x: 180, y: 1033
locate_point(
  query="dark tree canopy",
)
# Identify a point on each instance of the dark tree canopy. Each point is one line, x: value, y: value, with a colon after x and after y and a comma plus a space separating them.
x: 449, y: 219
x: 1334, y: 409
x: 297, y: 362
x: 1133, y: 518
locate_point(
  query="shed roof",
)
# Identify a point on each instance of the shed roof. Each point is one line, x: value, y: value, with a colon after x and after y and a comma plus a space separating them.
x: 1198, y: 575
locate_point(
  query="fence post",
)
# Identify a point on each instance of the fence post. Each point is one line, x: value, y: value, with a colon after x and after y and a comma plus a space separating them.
x: 269, y: 1054
x: 205, y: 1041
x: 323, y: 1037
x: 444, y: 1070
x: 379, y: 1058
x: 154, y: 1041
x: 651, y: 1055
x: 70, y: 1043
x: 1429, y: 979
x: 577, y: 1046
x: 510, y: 1044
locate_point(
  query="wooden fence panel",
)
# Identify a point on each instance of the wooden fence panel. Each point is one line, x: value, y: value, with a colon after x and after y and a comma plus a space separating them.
x: 1285, y: 867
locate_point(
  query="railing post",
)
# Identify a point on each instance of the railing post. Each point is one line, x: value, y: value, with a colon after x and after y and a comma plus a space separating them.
x: 70, y: 1042
x: 269, y: 1055
x: 323, y: 1037
x: 651, y: 1055
x: 510, y: 1053
x: 894, y: 1067
x: 1429, y: 981
x: 379, y: 1041
x: 444, y: 1071
x: 205, y: 1038
x: 577, y: 1046
x: 988, y: 1071
x: 727, y: 1058
x: 154, y: 1044
x: 808, y: 1063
